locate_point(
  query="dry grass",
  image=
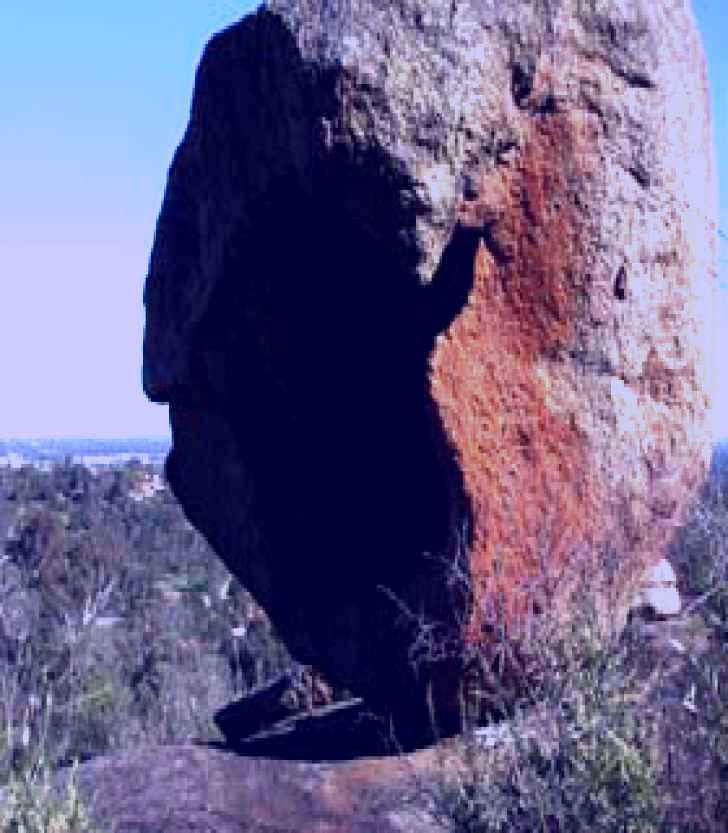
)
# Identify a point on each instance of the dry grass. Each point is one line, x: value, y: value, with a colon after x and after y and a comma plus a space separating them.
x: 600, y: 733
x: 32, y: 802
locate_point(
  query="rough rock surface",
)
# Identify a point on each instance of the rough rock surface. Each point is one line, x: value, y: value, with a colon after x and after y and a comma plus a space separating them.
x: 658, y: 591
x: 201, y: 790
x: 430, y: 285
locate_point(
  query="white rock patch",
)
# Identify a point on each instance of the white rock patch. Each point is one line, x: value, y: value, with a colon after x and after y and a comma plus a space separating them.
x: 659, y: 590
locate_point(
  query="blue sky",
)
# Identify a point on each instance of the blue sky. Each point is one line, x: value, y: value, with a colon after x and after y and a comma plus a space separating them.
x: 94, y: 99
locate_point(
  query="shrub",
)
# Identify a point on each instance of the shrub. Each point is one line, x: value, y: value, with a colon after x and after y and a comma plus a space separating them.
x: 627, y: 734
x: 696, y: 714
x: 33, y: 803
x: 699, y: 551
x: 117, y: 615
x: 579, y: 754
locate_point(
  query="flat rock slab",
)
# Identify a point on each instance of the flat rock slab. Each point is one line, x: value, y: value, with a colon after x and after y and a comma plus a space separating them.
x: 188, y: 789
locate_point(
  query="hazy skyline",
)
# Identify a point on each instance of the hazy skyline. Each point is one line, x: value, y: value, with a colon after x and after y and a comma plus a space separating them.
x: 95, y: 99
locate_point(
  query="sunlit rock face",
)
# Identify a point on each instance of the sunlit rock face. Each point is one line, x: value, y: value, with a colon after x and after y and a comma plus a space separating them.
x: 431, y: 286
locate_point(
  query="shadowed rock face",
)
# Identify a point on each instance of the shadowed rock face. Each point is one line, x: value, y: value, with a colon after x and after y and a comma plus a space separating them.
x: 431, y: 286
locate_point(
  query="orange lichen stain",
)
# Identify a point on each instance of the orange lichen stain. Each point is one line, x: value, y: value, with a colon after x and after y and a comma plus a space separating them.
x: 525, y: 468
x: 665, y: 384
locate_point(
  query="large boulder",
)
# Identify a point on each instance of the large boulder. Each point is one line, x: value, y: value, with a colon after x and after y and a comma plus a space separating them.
x: 429, y: 301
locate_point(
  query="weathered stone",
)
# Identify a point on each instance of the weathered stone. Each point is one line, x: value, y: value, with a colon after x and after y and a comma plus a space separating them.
x: 201, y: 790
x: 296, y: 692
x: 430, y: 292
x: 339, y: 731
x: 658, y: 591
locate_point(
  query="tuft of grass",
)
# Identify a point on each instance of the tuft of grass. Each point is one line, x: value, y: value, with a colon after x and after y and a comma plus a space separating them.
x: 578, y: 754
x: 604, y: 733
x: 33, y: 802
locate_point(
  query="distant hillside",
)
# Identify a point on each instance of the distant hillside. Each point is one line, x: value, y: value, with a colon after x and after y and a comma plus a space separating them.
x: 39, y: 450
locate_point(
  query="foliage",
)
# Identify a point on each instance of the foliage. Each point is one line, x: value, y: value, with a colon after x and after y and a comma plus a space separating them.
x: 118, y: 625
x: 32, y: 803
x: 577, y: 755
x: 628, y: 735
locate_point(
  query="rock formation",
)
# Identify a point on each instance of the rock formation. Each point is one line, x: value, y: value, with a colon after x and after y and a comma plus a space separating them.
x: 429, y: 296
x: 658, y: 591
x: 199, y: 790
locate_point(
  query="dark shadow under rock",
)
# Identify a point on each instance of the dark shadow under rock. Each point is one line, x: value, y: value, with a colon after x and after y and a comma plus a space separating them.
x: 338, y: 732
x: 280, y: 720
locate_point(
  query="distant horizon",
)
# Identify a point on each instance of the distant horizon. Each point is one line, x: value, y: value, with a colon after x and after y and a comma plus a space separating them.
x: 723, y: 440
x: 166, y: 438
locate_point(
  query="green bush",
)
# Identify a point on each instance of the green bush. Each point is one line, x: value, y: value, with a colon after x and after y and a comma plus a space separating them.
x: 33, y: 803
x: 699, y: 551
x: 580, y: 755
x: 117, y: 615
x: 611, y: 735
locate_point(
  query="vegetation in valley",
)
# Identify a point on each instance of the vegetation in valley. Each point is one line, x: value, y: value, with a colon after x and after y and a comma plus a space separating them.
x: 118, y: 625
